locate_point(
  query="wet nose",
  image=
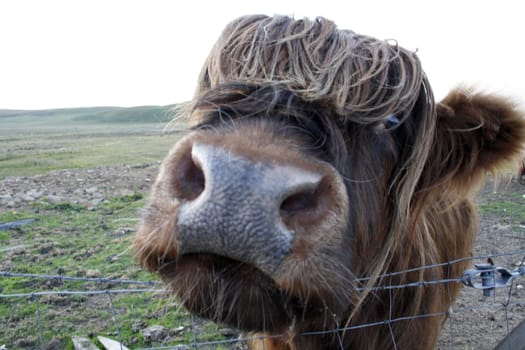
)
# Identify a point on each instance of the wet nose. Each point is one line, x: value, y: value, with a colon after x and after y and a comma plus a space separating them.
x: 239, y: 207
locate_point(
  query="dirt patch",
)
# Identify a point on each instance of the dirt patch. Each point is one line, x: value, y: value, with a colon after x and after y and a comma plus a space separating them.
x: 87, y: 187
x: 476, y: 322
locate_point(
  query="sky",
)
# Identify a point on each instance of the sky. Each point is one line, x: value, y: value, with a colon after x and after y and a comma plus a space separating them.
x: 69, y: 53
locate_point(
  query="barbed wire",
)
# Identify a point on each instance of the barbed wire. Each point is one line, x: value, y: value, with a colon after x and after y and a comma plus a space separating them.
x: 448, y: 263
x: 79, y: 292
x: 111, y: 289
x: 103, y: 280
x: 77, y: 279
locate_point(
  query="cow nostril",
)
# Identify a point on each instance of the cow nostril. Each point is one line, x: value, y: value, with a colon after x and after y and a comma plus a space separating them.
x: 188, y: 179
x: 309, y: 205
x: 299, y: 203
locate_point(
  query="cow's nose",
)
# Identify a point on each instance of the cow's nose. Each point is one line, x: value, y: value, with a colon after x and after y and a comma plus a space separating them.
x: 241, y: 208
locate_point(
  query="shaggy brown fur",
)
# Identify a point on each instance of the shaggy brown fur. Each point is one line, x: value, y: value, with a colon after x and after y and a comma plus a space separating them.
x: 395, y: 194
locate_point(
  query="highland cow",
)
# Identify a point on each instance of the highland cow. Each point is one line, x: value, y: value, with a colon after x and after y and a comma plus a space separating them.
x: 318, y: 171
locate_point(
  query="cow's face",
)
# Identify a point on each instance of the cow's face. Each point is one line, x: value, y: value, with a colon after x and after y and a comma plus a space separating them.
x: 277, y: 207
x: 256, y: 208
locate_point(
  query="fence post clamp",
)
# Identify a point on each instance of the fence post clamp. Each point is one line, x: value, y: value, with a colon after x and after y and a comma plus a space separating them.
x: 487, y: 277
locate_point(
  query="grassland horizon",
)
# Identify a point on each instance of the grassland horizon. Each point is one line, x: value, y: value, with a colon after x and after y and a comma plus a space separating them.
x: 37, y: 141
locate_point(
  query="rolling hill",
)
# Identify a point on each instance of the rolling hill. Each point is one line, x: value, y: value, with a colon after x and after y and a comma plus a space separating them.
x: 139, y: 114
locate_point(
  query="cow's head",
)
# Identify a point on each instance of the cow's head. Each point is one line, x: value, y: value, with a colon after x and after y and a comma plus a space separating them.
x: 317, y: 157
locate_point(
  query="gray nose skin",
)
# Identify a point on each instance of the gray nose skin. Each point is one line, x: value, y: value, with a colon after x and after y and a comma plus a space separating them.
x: 238, y: 213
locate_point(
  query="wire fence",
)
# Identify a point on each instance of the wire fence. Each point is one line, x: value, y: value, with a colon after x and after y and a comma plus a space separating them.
x: 494, y: 306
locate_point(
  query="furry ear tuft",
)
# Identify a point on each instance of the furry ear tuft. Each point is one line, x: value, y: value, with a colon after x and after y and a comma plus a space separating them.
x: 476, y: 133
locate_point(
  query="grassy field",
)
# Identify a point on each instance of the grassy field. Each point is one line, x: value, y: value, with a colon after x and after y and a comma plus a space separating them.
x: 32, y: 142
x: 70, y: 240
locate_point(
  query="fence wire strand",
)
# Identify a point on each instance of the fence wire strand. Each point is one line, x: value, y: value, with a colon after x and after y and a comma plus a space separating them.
x: 154, y: 287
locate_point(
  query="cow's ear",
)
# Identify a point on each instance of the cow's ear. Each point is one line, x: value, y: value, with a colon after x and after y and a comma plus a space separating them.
x: 476, y: 133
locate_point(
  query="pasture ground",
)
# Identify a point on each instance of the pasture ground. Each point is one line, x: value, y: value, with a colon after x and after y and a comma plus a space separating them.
x: 85, y: 182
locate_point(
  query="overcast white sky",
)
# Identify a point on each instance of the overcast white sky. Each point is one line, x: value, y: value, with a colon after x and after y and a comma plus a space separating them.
x: 69, y: 53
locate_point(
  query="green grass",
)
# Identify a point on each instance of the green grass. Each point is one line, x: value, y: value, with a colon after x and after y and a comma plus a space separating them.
x: 70, y: 240
x: 513, y: 210
x: 39, y: 141
x: 46, y: 153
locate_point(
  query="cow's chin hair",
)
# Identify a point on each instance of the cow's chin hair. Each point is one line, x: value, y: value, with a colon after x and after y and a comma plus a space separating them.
x: 239, y: 295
